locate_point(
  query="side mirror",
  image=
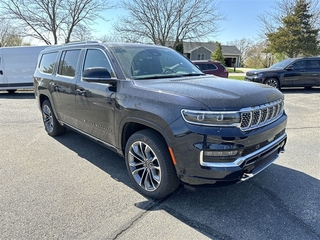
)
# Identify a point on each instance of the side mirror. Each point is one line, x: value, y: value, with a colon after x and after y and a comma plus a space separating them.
x: 97, y: 74
x: 1, y: 73
x: 290, y: 67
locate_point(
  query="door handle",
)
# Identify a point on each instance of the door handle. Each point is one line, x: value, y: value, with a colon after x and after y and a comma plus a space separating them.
x: 1, y: 72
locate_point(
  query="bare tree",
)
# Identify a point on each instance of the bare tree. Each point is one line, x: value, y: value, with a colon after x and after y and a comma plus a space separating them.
x: 160, y: 21
x: 257, y: 58
x: 9, y: 35
x: 271, y: 20
x: 243, y: 44
x: 53, y: 21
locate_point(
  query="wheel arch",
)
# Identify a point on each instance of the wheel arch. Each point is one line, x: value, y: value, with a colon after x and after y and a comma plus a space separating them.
x: 42, y: 98
x: 133, y: 125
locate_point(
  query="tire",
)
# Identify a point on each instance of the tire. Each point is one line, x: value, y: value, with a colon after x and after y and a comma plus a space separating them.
x: 51, y: 124
x: 149, y: 165
x: 273, y: 82
x: 12, y: 91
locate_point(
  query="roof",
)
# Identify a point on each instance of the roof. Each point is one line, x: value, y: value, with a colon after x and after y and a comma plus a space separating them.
x: 189, y: 47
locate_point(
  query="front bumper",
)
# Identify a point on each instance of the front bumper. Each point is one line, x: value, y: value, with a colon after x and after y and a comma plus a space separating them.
x: 254, y: 79
x: 243, y: 168
x: 257, y: 150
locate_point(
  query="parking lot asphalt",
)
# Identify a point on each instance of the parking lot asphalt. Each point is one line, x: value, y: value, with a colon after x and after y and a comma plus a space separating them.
x: 69, y: 187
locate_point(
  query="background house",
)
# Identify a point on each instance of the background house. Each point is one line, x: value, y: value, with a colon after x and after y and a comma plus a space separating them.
x: 203, y: 51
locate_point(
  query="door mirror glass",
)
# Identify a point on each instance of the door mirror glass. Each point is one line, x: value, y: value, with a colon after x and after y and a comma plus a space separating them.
x: 96, y: 72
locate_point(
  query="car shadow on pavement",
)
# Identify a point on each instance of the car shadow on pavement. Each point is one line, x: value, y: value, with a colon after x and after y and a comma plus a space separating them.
x: 300, y: 90
x: 98, y: 155
x: 259, y: 208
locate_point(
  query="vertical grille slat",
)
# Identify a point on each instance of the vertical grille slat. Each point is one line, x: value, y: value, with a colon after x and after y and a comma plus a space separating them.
x: 261, y: 115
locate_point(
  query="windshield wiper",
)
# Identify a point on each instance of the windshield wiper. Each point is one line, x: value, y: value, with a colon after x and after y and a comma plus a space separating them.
x: 190, y: 74
x: 167, y: 76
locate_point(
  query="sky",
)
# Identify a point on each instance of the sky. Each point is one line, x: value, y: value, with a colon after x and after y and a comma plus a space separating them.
x: 242, y: 20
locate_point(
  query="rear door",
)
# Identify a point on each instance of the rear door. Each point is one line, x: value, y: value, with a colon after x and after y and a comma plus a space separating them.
x: 63, y: 86
x: 313, y: 69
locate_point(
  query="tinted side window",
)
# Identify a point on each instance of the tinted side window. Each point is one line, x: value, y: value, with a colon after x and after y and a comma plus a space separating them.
x: 299, y: 65
x: 96, y: 58
x: 202, y: 67
x: 212, y: 67
x: 68, y: 63
x: 47, y: 62
x: 314, y: 64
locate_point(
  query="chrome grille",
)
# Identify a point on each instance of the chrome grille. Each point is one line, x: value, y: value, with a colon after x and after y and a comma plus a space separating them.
x: 258, y: 116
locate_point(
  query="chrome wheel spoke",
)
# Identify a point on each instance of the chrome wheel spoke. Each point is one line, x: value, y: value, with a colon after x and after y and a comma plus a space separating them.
x: 144, y: 166
x: 143, y: 176
x: 155, y: 175
x: 47, y: 118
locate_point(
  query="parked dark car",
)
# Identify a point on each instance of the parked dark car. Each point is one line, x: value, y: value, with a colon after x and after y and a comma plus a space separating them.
x: 293, y: 72
x: 212, y: 67
x: 171, y: 122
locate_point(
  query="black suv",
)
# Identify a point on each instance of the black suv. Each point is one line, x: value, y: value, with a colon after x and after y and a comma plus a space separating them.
x: 292, y: 72
x: 171, y: 122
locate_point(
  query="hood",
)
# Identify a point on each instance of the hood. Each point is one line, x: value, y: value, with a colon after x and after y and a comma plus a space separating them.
x: 215, y: 93
x: 263, y: 70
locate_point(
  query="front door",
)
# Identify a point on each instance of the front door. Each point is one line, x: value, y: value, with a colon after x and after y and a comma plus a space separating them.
x: 95, y: 102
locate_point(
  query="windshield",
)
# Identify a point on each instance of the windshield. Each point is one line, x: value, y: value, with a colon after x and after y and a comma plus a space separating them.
x: 143, y: 62
x: 282, y: 64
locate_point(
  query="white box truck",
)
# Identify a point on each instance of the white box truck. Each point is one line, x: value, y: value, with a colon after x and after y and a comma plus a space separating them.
x: 17, y: 65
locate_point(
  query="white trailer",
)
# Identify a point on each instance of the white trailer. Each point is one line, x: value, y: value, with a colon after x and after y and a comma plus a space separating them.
x: 17, y: 65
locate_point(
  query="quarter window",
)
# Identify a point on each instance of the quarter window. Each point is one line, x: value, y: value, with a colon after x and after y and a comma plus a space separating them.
x: 47, y: 62
x: 68, y: 63
x: 212, y: 67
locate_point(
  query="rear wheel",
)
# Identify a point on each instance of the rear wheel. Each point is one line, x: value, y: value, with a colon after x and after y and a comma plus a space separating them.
x: 51, y: 124
x: 12, y: 91
x: 273, y: 82
x: 149, y: 165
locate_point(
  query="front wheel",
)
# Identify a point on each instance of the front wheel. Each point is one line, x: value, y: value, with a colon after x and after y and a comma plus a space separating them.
x: 149, y: 165
x: 273, y: 82
x: 51, y: 124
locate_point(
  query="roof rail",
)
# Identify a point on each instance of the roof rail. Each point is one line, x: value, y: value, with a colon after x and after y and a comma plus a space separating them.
x: 82, y: 42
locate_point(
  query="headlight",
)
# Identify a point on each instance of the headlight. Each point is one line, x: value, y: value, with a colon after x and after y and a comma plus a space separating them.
x: 209, y: 118
x: 259, y: 75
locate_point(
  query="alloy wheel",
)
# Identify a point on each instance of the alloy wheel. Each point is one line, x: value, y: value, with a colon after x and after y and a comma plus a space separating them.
x: 144, y: 166
x: 47, y: 118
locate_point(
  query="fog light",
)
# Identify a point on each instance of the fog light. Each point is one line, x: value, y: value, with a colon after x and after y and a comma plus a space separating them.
x: 229, y: 153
